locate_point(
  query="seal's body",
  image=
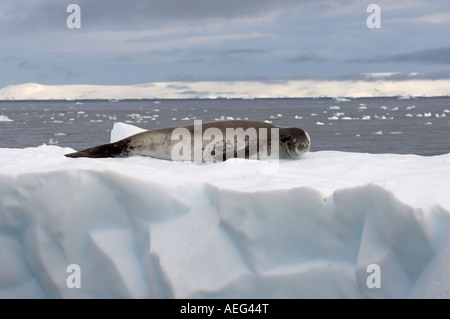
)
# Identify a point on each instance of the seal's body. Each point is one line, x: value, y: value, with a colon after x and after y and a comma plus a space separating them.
x: 213, y: 141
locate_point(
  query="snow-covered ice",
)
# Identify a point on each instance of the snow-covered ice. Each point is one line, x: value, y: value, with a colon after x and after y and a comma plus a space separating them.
x: 140, y: 227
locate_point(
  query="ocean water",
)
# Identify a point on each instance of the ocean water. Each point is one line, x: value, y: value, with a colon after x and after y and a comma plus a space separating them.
x: 375, y: 125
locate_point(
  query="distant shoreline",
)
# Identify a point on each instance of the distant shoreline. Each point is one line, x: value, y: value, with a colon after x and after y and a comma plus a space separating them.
x: 230, y: 90
x: 220, y: 98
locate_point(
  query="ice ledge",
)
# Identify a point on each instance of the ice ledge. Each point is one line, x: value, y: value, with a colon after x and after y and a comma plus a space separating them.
x: 142, y: 228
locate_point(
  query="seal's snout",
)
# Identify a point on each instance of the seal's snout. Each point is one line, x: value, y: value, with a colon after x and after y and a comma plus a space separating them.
x: 303, y: 147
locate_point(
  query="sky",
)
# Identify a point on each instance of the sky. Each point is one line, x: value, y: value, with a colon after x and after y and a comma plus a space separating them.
x: 141, y: 41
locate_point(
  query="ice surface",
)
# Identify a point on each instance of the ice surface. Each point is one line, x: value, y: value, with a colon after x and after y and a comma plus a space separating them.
x: 145, y: 228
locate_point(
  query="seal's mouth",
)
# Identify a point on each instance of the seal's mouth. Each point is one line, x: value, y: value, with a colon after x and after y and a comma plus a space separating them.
x: 297, y: 152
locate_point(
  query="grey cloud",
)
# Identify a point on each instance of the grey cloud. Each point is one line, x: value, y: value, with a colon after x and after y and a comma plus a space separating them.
x: 136, y: 14
x: 145, y: 11
x: 438, y: 74
x: 220, y: 55
x: 229, y: 55
x: 429, y: 56
x: 27, y: 66
x: 229, y: 52
x: 67, y: 73
x: 220, y: 78
x: 307, y: 57
x: 26, y: 16
x: 397, y: 76
x: 145, y: 56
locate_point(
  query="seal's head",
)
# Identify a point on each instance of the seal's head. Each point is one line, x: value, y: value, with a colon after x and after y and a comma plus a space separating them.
x: 298, y: 142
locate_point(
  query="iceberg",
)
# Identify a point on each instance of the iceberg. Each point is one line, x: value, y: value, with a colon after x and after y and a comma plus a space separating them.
x: 4, y: 118
x: 328, y: 225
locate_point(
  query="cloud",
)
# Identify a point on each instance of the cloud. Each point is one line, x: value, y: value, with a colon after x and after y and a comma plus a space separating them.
x: 22, y: 15
x: 223, y: 55
x: 433, y: 18
x: 27, y: 66
x: 442, y: 74
x: 428, y: 56
x: 436, y: 18
x: 132, y: 14
x: 307, y: 57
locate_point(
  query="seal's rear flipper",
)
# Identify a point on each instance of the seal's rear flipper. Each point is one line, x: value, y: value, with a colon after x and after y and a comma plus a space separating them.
x: 102, y: 151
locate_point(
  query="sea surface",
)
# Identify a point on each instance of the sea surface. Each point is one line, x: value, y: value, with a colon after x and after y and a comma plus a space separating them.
x: 374, y: 125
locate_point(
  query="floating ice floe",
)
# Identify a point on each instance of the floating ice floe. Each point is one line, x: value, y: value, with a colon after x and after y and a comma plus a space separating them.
x: 4, y: 118
x: 341, y: 99
x: 406, y: 97
x: 334, y: 107
x: 223, y: 118
x: 52, y: 142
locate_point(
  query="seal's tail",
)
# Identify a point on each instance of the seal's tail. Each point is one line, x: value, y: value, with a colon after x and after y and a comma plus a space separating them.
x: 101, y: 151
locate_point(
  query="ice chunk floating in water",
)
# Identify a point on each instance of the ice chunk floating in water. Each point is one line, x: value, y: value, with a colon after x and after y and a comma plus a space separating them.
x: 154, y: 229
x: 4, y: 118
